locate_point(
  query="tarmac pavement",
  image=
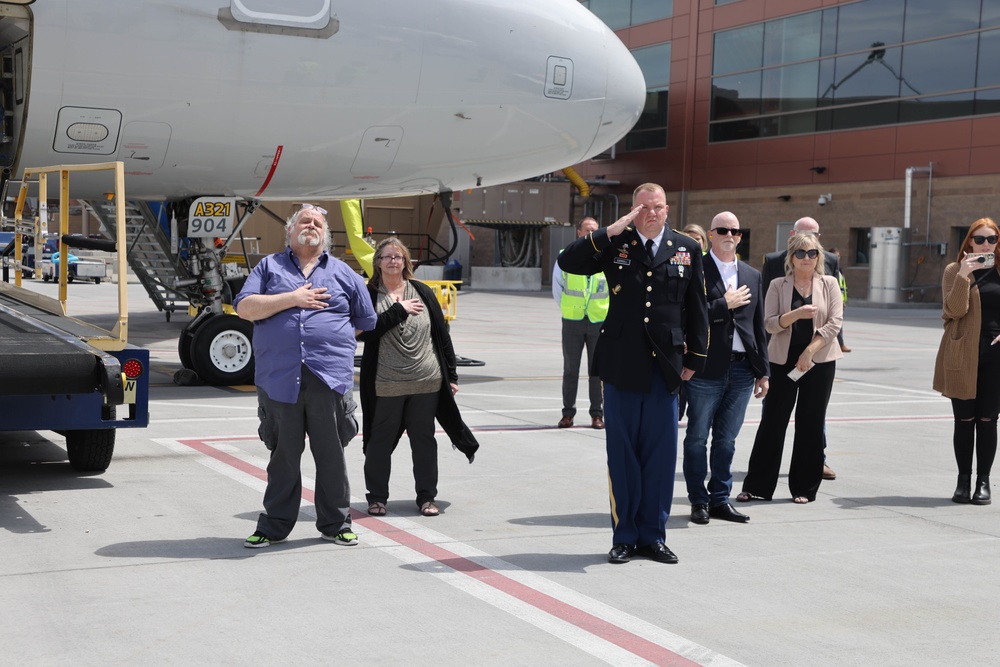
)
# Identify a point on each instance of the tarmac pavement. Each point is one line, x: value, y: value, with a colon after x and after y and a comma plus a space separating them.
x: 145, y: 562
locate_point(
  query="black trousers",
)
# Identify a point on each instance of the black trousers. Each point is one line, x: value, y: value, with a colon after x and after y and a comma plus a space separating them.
x: 809, y: 398
x: 415, y: 413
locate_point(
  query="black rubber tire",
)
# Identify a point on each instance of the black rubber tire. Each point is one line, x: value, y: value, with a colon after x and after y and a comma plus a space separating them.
x: 184, y: 346
x: 206, y: 347
x: 97, y: 281
x: 90, y: 450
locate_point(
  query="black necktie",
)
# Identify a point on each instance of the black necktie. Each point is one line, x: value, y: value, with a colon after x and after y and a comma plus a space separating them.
x: 649, y: 249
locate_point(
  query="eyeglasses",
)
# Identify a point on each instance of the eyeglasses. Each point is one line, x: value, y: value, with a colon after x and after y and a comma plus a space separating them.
x: 391, y: 258
x: 991, y: 239
x: 722, y: 231
x: 306, y: 207
x: 802, y: 254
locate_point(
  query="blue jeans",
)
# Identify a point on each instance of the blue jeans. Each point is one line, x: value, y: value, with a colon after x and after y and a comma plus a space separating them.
x: 720, y: 405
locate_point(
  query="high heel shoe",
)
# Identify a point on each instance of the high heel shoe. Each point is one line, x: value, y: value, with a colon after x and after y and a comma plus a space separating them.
x: 982, y: 495
x: 964, y: 489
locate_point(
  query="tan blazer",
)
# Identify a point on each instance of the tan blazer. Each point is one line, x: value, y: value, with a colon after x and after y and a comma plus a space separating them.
x: 957, y: 366
x: 826, y: 322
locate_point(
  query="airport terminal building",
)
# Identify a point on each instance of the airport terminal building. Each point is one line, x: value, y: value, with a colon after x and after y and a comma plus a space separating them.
x: 879, y: 118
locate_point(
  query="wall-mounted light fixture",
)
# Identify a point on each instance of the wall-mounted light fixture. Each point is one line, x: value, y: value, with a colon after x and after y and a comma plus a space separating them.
x: 784, y: 197
x: 818, y: 170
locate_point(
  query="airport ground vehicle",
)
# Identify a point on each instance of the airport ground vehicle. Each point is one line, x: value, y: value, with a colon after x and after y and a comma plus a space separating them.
x: 62, y: 374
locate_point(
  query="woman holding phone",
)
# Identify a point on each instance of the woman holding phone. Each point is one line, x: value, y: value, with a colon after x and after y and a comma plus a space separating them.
x: 803, y: 312
x: 967, y: 369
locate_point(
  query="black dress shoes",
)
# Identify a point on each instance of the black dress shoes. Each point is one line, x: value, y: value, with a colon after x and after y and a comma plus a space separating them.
x: 727, y: 513
x: 620, y: 553
x: 699, y: 513
x: 657, y: 551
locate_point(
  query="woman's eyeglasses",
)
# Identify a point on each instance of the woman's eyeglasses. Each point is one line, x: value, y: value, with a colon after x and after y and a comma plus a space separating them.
x: 802, y: 254
x: 991, y: 239
x: 722, y: 231
x: 391, y: 258
x: 307, y: 207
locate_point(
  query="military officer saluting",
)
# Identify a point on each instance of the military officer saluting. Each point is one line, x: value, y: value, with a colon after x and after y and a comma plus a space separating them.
x: 655, y: 335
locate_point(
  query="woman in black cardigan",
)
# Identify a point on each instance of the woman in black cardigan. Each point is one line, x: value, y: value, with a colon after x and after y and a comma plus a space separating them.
x: 408, y: 378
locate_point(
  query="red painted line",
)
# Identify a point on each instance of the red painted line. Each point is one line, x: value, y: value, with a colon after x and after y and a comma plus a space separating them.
x: 609, y: 632
x: 270, y: 173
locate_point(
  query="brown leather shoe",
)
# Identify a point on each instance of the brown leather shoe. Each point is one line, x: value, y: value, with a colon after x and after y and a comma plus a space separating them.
x: 828, y: 472
x: 565, y: 422
x: 597, y: 423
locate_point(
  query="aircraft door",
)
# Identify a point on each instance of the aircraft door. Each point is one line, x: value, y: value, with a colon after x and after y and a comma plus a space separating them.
x: 15, y: 42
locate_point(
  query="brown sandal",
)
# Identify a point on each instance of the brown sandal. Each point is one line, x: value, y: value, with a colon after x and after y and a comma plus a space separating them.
x: 429, y: 509
x: 376, y: 509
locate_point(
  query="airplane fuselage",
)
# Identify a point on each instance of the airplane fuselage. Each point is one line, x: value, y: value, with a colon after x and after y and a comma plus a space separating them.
x: 325, y: 99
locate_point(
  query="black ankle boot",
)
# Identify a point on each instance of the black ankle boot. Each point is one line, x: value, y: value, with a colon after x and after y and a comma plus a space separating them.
x: 982, y: 496
x: 964, y: 489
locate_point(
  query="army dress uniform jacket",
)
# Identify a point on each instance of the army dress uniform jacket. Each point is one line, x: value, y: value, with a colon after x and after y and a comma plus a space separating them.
x: 656, y: 306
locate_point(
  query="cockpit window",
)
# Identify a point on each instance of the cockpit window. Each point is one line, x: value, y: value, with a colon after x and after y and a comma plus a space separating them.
x: 280, y: 15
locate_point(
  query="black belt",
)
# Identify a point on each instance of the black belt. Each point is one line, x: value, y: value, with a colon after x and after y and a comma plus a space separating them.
x: 738, y: 356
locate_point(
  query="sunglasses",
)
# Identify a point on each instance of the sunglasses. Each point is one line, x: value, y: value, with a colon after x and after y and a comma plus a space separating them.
x: 802, y: 254
x: 722, y: 231
x: 307, y: 207
x: 992, y: 239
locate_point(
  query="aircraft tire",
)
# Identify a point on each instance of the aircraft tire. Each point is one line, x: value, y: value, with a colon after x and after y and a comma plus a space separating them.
x: 184, y: 346
x: 222, y: 351
x: 90, y: 450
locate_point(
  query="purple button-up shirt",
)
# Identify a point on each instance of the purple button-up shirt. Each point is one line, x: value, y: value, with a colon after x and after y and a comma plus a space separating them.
x: 323, y: 340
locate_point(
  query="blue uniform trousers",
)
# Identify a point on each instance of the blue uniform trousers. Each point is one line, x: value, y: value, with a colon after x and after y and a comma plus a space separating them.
x: 642, y: 459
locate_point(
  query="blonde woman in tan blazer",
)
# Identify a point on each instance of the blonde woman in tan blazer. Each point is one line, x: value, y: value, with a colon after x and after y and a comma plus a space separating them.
x: 967, y: 369
x: 803, y: 312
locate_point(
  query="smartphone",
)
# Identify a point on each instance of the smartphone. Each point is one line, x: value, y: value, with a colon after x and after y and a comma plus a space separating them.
x: 795, y: 374
x: 987, y: 259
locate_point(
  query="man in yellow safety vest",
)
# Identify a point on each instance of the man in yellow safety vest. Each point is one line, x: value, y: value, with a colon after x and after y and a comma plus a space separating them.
x: 583, y: 301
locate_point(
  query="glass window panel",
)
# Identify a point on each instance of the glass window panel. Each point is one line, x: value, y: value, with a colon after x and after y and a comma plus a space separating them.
x: 791, y: 39
x: 828, y: 43
x: 928, y: 18
x: 737, y: 95
x: 935, y: 108
x: 989, y: 58
x: 886, y: 113
x: 646, y: 139
x: 654, y: 114
x: 865, y: 77
x: 737, y: 50
x: 939, y: 66
x: 734, y: 131
x: 863, y: 24
x: 644, y: 11
x: 614, y: 13
x: 654, y: 61
x: 799, y: 123
x: 988, y: 101
x: 790, y: 88
x: 991, y: 13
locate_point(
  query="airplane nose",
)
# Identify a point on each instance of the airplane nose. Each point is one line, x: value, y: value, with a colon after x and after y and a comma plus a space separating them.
x: 625, y: 96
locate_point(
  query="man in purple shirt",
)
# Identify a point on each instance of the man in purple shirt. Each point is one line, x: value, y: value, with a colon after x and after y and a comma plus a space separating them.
x: 306, y: 307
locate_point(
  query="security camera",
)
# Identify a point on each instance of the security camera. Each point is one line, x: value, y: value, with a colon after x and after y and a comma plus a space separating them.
x: 823, y: 199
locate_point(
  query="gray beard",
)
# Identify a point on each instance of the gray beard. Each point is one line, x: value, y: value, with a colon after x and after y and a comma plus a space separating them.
x: 310, y: 241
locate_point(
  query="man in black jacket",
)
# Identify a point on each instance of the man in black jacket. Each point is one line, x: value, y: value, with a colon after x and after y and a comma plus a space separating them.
x: 736, y: 367
x: 654, y: 336
x: 774, y: 262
